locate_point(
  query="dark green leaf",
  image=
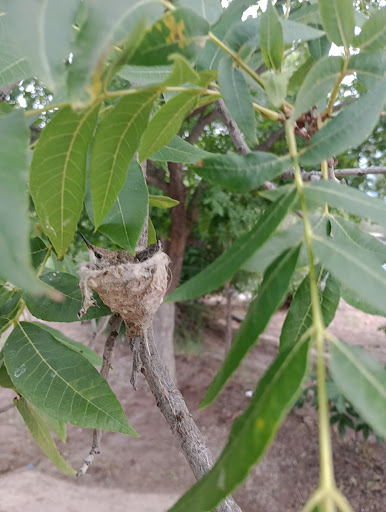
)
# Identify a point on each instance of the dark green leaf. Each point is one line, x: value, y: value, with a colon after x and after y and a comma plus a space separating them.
x: 338, y: 20
x: 39, y: 430
x: 243, y: 173
x: 15, y: 263
x: 60, y: 382
x: 58, y: 173
x: 252, y: 432
x: 299, y: 316
x: 373, y: 34
x: 362, y: 380
x: 319, y: 48
x: 66, y: 311
x: 38, y: 251
x: 166, y: 123
x: 299, y: 76
x: 271, y: 296
x: 369, y: 67
x: 178, y: 150
x: 224, y: 267
x: 348, y: 129
x: 5, y: 379
x: 162, y: 202
x: 271, y: 38
x: 346, y: 198
x: 235, y: 93
x: 116, y: 141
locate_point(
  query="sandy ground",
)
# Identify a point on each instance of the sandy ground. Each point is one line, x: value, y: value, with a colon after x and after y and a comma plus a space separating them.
x: 149, y: 473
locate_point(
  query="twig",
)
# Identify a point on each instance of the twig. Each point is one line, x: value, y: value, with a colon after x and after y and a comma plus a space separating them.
x: 339, y: 173
x: 134, y: 345
x: 115, y: 323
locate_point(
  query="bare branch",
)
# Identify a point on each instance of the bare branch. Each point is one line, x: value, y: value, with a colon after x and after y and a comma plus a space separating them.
x: 200, y: 125
x: 339, y: 173
x: 156, y: 176
x: 115, y: 322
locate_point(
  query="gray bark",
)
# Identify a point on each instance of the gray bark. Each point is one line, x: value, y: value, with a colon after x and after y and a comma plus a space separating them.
x: 163, y: 325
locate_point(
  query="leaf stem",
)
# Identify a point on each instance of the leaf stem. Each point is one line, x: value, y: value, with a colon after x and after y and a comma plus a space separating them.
x: 324, y: 169
x: 41, y: 268
x: 314, y: 500
x: 341, y: 502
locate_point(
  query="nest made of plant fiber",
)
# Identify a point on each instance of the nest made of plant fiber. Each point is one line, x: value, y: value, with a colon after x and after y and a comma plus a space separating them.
x: 133, y: 290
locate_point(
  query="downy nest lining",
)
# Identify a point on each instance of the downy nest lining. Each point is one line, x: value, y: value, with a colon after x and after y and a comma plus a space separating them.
x: 133, y: 290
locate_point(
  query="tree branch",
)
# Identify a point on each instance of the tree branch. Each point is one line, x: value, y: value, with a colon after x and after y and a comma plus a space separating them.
x: 270, y: 141
x: 156, y: 176
x: 339, y: 173
x: 200, y: 125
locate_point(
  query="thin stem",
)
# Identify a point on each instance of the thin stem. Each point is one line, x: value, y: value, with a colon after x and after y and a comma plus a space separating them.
x: 324, y: 169
x: 328, y: 110
x: 41, y: 268
x: 314, y: 500
x: 267, y: 113
x: 287, y: 9
x: 327, y: 482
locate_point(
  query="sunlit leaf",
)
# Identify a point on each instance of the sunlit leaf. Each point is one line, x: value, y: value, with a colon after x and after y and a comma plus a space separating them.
x: 145, y: 75
x: 39, y: 431
x: 338, y: 20
x: 271, y: 296
x: 223, y: 268
x: 362, y: 380
x: 58, y: 173
x: 162, y: 202
x: 182, y: 72
x: 55, y: 379
x: 271, y: 38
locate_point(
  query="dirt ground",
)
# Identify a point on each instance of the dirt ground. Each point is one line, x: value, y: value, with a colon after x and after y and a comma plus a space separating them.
x: 149, y: 474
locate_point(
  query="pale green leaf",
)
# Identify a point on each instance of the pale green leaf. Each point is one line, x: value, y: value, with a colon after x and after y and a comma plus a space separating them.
x: 368, y: 66
x: 182, y: 72
x: 178, y: 150
x: 235, y: 93
x: 223, y: 268
x: 162, y: 202
x: 58, y: 173
x: 271, y: 296
x: 294, y: 31
x: 166, y: 123
x: 39, y: 431
x: 58, y: 427
x: 373, y: 34
x: 338, y: 20
x: 299, y: 76
x: 57, y: 380
x: 242, y: 173
x: 13, y: 66
x: 151, y: 234
x: 271, y: 38
x: 116, y: 141
x: 306, y: 13
x: 362, y: 380
x: 349, y: 128
x: 356, y: 301
x: 145, y: 75
x: 319, y: 48
x: 276, y: 88
x: 210, y: 10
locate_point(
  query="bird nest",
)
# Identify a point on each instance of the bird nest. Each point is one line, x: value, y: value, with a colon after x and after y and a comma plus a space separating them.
x: 133, y: 290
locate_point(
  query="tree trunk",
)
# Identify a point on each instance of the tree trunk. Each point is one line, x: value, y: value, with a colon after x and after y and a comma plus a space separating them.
x: 163, y: 325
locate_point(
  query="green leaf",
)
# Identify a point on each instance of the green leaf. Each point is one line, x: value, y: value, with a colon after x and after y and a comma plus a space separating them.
x: 116, y: 141
x: 162, y: 202
x: 105, y: 25
x: 242, y: 173
x: 39, y: 430
x: 299, y: 316
x: 58, y: 173
x: 299, y: 76
x: 338, y: 20
x: 66, y: 311
x: 210, y: 10
x: 348, y: 129
x: 43, y: 35
x: 235, y: 93
x: 58, y: 427
x: 182, y: 72
x: 362, y: 380
x: 61, y: 383
x: 166, y: 123
x: 271, y: 296
x: 178, y: 150
x: 13, y: 66
x: 94, y: 358
x: 9, y: 306
x: 356, y: 301
x: 320, y: 80
x: 373, y: 34
x: 223, y: 268
x: 346, y: 198
x: 252, y: 432
x: 294, y: 31
x: 356, y: 268
x: 369, y: 67
x: 145, y: 75
x: 151, y: 234
x: 124, y: 222
x: 319, y: 48
x: 38, y: 251
x: 6, y: 294
x: 271, y: 38
x: 5, y: 379
x: 276, y: 88
x: 15, y: 263
x: 306, y: 13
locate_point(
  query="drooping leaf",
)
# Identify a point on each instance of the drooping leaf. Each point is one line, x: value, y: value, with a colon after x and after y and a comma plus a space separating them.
x: 243, y: 173
x: 178, y: 150
x: 223, y: 268
x: 15, y: 263
x: 43, y: 35
x: 125, y: 220
x: 320, y: 80
x: 116, y: 141
x: 5, y: 379
x: 299, y: 316
x: 235, y: 93
x: 66, y: 311
x: 60, y: 382
x: 349, y: 128
x: 271, y: 38
x: 252, y: 432
x: 373, y: 34
x: 210, y: 10
x: 294, y: 31
x: 58, y: 427
x: 94, y: 358
x: 145, y: 75
x: 166, y: 123
x: 338, y: 20
x: 162, y: 202
x: 105, y: 25
x: 356, y: 268
x: 346, y: 198
x: 58, y: 173
x: 271, y: 296
x: 39, y: 430
x: 362, y: 380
